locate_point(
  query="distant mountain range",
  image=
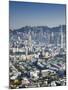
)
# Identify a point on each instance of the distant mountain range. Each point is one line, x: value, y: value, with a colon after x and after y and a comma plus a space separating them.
x: 38, y: 34
x: 39, y: 28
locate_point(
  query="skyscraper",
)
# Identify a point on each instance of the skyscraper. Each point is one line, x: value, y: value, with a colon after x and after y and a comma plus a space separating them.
x: 29, y: 41
x: 61, y: 32
x: 52, y: 37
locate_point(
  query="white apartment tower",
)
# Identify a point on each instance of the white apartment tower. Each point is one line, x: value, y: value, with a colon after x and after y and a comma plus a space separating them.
x: 26, y: 47
x: 52, y: 37
x: 29, y: 41
x: 61, y: 32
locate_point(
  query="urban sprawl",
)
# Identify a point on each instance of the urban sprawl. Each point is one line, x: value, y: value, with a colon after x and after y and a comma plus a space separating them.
x: 37, y: 57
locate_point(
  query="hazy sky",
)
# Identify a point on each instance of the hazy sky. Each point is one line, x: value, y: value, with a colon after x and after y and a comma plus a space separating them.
x: 33, y: 14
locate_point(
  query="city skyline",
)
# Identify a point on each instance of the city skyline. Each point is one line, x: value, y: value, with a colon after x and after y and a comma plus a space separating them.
x: 35, y: 14
x: 37, y: 45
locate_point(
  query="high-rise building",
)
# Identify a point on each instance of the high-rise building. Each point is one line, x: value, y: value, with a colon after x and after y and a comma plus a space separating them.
x: 29, y: 41
x: 52, y: 37
x: 26, y: 48
x: 61, y: 32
